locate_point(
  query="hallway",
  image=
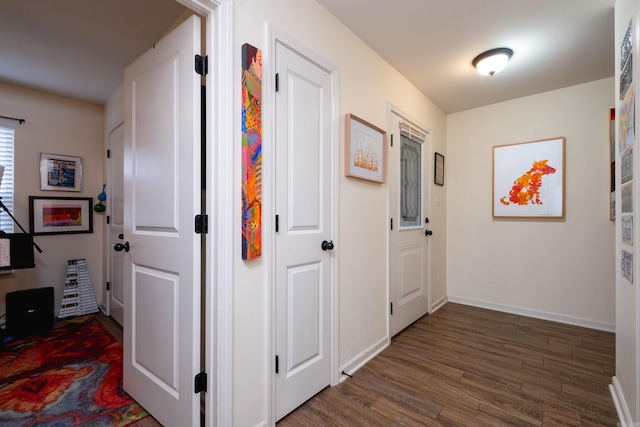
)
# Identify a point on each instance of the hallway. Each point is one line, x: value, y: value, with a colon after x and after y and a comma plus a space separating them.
x: 467, y: 366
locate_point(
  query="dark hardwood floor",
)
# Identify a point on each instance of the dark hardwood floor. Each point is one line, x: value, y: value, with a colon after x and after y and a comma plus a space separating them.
x: 466, y: 366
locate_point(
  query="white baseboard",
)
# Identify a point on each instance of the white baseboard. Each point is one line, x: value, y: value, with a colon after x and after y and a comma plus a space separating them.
x: 607, y: 327
x: 624, y: 416
x: 359, y: 361
x: 372, y: 351
x: 438, y: 304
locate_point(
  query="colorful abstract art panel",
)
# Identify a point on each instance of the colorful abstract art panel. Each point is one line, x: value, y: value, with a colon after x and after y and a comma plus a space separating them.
x: 251, y: 152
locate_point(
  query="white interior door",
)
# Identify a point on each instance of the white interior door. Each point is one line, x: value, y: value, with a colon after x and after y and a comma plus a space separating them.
x: 162, y: 197
x: 408, y: 239
x: 115, y: 207
x: 303, y: 207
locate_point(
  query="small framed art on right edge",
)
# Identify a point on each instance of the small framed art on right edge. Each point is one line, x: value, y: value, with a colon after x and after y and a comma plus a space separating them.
x: 438, y: 170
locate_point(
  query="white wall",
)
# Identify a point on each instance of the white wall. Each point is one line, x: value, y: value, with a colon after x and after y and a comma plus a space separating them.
x: 61, y: 126
x: 366, y: 85
x: 626, y: 381
x: 557, y: 269
x: 114, y: 110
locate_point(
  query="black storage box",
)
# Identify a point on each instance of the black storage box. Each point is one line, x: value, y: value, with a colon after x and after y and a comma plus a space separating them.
x: 29, y: 312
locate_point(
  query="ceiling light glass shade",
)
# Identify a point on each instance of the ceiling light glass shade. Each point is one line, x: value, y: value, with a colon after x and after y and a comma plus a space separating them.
x: 492, y: 61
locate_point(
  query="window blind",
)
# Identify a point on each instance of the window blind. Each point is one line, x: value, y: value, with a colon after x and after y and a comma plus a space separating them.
x: 6, y: 185
x: 412, y: 132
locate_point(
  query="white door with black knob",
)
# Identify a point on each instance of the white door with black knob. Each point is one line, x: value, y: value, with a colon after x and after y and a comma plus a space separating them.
x: 409, y: 224
x: 304, y: 242
x: 162, y: 253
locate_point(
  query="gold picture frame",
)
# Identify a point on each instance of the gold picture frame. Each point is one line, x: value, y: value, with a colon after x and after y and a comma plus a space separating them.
x: 365, y: 150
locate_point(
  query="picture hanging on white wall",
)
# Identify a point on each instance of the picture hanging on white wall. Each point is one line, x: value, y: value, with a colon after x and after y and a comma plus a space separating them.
x: 438, y: 178
x: 612, y: 159
x: 60, y: 215
x: 626, y: 77
x: 365, y: 150
x: 60, y: 173
x: 627, y: 229
x: 626, y: 60
x: 626, y: 166
x: 528, y: 179
x: 626, y: 265
x: 626, y: 45
x: 626, y: 122
x: 626, y: 198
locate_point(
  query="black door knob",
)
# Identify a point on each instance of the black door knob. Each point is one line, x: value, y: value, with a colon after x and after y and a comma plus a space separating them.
x: 428, y: 233
x: 119, y: 247
x: 327, y: 245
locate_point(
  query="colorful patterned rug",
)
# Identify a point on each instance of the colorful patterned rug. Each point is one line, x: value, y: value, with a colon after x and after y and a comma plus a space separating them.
x: 72, y: 376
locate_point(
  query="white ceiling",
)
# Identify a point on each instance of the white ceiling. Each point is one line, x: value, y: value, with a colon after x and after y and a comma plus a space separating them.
x: 556, y: 43
x: 79, y: 48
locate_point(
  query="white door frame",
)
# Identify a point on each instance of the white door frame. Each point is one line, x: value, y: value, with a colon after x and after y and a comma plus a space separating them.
x: 108, y: 224
x: 219, y: 240
x: 268, y: 175
x: 428, y: 150
x: 108, y: 254
x: 219, y: 194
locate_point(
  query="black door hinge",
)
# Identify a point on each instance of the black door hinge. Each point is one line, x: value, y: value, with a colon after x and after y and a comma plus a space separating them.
x: 277, y: 367
x: 392, y: 140
x: 277, y: 223
x: 391, y: 308
x: 200, y: 382
x: 108, y: 219
x: 202, y: 224
x: 391, y: 224
x: 202, y: 65
x: 108, y: 286
x: 277, y: 82
x: 108, y: 154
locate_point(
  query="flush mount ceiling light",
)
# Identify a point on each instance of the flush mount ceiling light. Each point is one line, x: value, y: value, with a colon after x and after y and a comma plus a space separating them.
x: 492, y: 61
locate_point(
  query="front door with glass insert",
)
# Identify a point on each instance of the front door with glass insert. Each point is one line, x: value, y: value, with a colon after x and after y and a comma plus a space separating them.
x: 408, y: 263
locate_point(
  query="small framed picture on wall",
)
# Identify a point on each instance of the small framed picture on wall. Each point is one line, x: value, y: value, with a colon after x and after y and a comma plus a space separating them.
x: 438, y: 169
x: 60, y: 173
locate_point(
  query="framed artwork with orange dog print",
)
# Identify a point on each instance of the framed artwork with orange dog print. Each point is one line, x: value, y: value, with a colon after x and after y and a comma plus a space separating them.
x: 528, y: 179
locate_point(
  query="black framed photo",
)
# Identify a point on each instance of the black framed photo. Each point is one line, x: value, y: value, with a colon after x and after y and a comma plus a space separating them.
x: 438, y: 170
x: 60, y: 215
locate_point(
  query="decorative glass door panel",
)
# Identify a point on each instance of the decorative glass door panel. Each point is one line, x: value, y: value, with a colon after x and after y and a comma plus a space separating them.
x: 410, y: 182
